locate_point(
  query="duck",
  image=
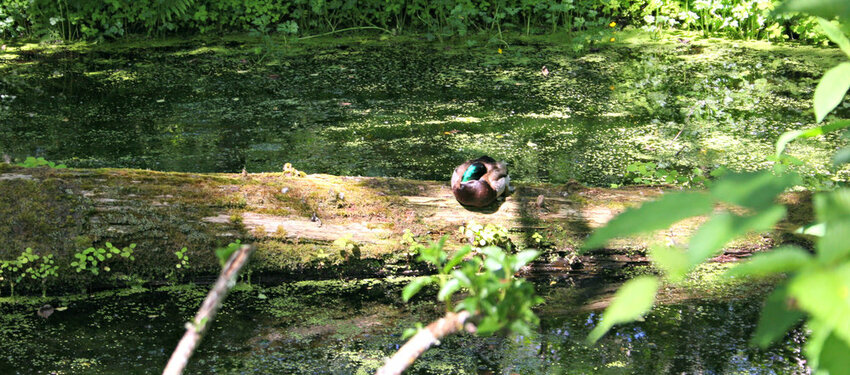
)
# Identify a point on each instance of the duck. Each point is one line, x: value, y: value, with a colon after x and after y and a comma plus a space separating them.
x: 478, y: 182
x: 45, y: 311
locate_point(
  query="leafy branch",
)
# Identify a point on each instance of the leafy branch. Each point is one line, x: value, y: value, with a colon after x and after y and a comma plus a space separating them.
x: 817, y: 288
x: 494, y: 301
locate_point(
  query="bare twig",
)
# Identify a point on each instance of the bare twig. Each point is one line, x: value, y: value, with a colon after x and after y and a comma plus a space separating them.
x: 195, y: 329
x: 419, y: 343
x: 347, y: 29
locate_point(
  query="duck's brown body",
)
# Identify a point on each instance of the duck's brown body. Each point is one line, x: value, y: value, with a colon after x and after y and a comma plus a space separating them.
x: 483, y: 190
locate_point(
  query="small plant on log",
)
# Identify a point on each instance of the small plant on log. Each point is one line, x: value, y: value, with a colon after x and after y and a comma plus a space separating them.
x: 486, y: 235
x: 348, y: 248
x: 182, y: 259
x: 409, y: 240
x: 91, y: 259
x: 13, y: 271
x: 223, y: 254
x: 41, y: 271
x: 289, y: 170
x: 181, y: 265
x: 32, y: 162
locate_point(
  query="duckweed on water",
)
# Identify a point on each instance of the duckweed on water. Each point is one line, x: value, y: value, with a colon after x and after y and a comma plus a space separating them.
x: 413, y: 109
x: 350, y: 327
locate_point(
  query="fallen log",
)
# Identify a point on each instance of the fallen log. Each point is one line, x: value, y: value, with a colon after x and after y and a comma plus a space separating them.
x: 295, y: 221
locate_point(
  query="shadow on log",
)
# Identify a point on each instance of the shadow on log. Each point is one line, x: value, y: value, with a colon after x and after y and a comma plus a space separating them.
x: 61, y: 211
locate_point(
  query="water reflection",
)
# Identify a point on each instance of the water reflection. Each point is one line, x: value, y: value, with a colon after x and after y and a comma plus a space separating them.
x: 304, y: 329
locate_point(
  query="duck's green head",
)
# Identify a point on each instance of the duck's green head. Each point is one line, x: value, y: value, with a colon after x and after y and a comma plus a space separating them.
x: 474, y: 172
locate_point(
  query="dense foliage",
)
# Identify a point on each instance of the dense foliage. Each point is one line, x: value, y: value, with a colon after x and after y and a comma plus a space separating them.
x: 98, y: 19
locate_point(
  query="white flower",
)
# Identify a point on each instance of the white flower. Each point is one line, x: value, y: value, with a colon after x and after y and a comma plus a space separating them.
x: 649, y: 19
x: 702, y: 4
x: 740, y: 12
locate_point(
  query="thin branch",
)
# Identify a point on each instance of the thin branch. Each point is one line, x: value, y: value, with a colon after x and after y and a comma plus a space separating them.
x: 348, y: 29
x: 195, y: 330
x: 419, y: 343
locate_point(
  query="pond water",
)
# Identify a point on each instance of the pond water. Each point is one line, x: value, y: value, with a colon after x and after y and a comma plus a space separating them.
x: 336, y: 327
x: 413, y: 109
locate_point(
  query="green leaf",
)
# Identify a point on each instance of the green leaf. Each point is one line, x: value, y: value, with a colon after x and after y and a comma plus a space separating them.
x: 411, y: 289
x: 842, y: 156
x: 722, y: 228
x: 834, y: 245
x: 448, y: 289
x: 434, y: 253
x: 524, y: 258
x: 462, y: 278
x: 814, y: 343
x: 658, y: 214
x: 831, y: 90
x: 828, y: 9
x: 408, y: 333
x: 224, y: 253
x: 816, y: 230
x: 488, y: 325
x: 833, y: 357
x: 633, y: 300
x: 672, y: 260
x: 823, y: 293
x: 789, y: 136
x: 833, y: 208
x: 457, y: 258
x: 779, y: 260
x: 493, y: 265
x: 755, y: 190
x: 825, y: 351
x: 776, y: 318
x: 835, y: 35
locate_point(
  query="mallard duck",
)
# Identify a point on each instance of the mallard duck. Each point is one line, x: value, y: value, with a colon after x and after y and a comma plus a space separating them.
x: 479, y: 182
x: 45, y: 311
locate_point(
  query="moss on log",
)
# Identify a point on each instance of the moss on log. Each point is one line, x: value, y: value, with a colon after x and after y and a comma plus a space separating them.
x: 294, y: 221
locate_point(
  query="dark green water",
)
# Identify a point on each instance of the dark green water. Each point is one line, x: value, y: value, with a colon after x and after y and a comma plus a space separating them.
x: 415, y: 109
x: 349, y: 328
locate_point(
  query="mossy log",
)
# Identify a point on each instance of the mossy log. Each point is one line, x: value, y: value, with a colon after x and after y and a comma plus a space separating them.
x: 294, y: 221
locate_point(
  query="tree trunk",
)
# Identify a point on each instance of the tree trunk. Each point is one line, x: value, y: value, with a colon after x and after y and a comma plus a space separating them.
x: 294, y: 221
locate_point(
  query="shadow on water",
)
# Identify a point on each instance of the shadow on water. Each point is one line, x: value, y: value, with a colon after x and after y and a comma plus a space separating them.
x: 337, y: 327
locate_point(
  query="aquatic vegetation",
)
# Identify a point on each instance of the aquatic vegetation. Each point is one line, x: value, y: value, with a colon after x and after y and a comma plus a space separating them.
x: 357, y: 327
x: 651, y: 174
x: 371, y: 107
